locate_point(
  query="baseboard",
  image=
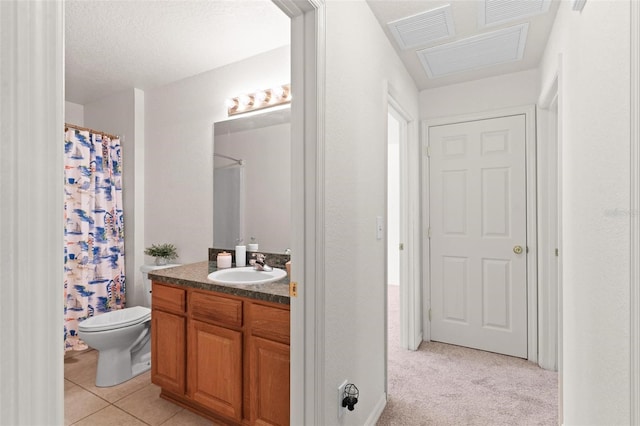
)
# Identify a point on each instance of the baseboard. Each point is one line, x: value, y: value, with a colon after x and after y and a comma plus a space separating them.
x: 377, y: 411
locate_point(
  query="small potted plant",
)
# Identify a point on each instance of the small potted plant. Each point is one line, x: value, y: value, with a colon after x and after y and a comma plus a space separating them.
x: 162, y: 252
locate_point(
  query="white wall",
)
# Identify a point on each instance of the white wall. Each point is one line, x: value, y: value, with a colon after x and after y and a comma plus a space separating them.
x: 359, y: 61
x: 179, y: 151
x: 594, y: 111
x: 488, y: 94
x: 120, y: 114
x: 266, y: 153
x: 74, y: 113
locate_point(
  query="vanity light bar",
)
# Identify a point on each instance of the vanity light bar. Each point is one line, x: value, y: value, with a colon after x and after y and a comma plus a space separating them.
x: 279, y: 95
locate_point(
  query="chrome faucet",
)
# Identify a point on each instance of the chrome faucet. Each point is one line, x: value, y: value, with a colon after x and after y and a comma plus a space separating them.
x: 259, y: 263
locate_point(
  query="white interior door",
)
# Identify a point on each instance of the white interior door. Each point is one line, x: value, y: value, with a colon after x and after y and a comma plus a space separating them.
x: 478, y: 234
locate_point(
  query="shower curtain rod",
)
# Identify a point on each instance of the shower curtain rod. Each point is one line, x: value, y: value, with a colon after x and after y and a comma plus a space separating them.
x: 227, y: 157
x: 86, y: 129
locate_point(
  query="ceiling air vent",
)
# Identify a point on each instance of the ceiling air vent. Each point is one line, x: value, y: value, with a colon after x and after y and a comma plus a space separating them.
x: 485, y: 50
x: 495, y: 12
x: 424, y: 28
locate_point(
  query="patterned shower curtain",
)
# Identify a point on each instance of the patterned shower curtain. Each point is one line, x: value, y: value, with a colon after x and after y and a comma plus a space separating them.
x: 94, y: 230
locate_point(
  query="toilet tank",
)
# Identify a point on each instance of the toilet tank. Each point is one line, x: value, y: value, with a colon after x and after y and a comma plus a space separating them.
x: 146, y: 282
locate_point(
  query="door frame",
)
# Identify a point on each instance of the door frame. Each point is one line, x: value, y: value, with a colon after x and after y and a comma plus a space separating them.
x: 410, y: 300
x: 550, y: 94
x: 31, y: 231
x: 634, y: 278
x: 550, y: 344
x: 529, y: 111
x: 307, y: 345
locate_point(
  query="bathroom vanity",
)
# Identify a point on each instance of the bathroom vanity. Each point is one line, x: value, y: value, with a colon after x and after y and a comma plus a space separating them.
x: 221, y: 351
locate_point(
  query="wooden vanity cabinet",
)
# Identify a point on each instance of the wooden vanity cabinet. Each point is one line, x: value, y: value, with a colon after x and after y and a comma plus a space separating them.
x: 168, y: 337
x: 234, y: 361
x: 269, y: 365
x: 214, y: 361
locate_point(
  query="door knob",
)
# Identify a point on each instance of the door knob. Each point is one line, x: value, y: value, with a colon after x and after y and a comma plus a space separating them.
x: 517, y: 249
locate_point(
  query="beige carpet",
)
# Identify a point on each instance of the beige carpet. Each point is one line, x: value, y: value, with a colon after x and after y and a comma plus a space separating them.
x: 442, y: 384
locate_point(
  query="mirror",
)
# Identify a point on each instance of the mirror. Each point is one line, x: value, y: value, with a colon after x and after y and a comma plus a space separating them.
x: 251, y: 180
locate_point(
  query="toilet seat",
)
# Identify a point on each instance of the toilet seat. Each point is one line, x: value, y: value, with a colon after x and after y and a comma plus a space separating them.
x: 116, y: 319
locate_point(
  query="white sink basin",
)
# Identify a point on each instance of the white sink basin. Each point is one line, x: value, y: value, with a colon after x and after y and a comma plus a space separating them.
x: 246, y: 275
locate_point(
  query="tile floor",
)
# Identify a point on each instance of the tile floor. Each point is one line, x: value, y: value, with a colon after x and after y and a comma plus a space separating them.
x: 135, y: 402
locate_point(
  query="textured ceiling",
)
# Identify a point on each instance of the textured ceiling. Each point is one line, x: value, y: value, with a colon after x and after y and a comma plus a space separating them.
x: 111, y: 46
x: 466, y: 23
x: 116, y: 45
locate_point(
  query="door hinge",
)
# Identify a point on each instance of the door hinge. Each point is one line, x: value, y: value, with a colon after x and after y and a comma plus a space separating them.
x: 557, y: 253
x: 401, y: 247
x: 428, y: 150
x: 429, y: 314
x: 429, y: 232
x: 293, y: 289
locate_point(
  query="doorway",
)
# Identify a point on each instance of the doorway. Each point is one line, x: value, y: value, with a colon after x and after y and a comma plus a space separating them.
x: 299, y: 209
x: 478, y: 234
x: 403, y: 220
x: 403, y: 296
x: 507, y: 277
x: 396, y: 150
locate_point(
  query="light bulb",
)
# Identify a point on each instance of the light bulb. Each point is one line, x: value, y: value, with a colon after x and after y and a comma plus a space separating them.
x: 245, y: 101
x: 262, y: 96
x: 286, y: 92
x: 278, y: 92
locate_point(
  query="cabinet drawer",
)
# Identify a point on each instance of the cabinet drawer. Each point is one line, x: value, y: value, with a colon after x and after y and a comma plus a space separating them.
x: 270, y: 323
x: 167, y: 298
x: 208, y: 307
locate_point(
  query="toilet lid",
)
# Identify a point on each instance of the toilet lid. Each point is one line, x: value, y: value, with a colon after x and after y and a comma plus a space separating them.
x: 116, y: 319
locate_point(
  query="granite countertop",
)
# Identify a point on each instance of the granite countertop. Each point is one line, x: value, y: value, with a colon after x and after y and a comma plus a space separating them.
x: 195, y: 275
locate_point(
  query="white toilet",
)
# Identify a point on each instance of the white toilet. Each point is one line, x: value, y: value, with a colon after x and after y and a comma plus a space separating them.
x: 122, y: 338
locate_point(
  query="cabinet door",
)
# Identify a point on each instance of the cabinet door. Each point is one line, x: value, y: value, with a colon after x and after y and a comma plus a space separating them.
x: 215, y: 368
x: 168, y: 346
x: 269, y: 382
